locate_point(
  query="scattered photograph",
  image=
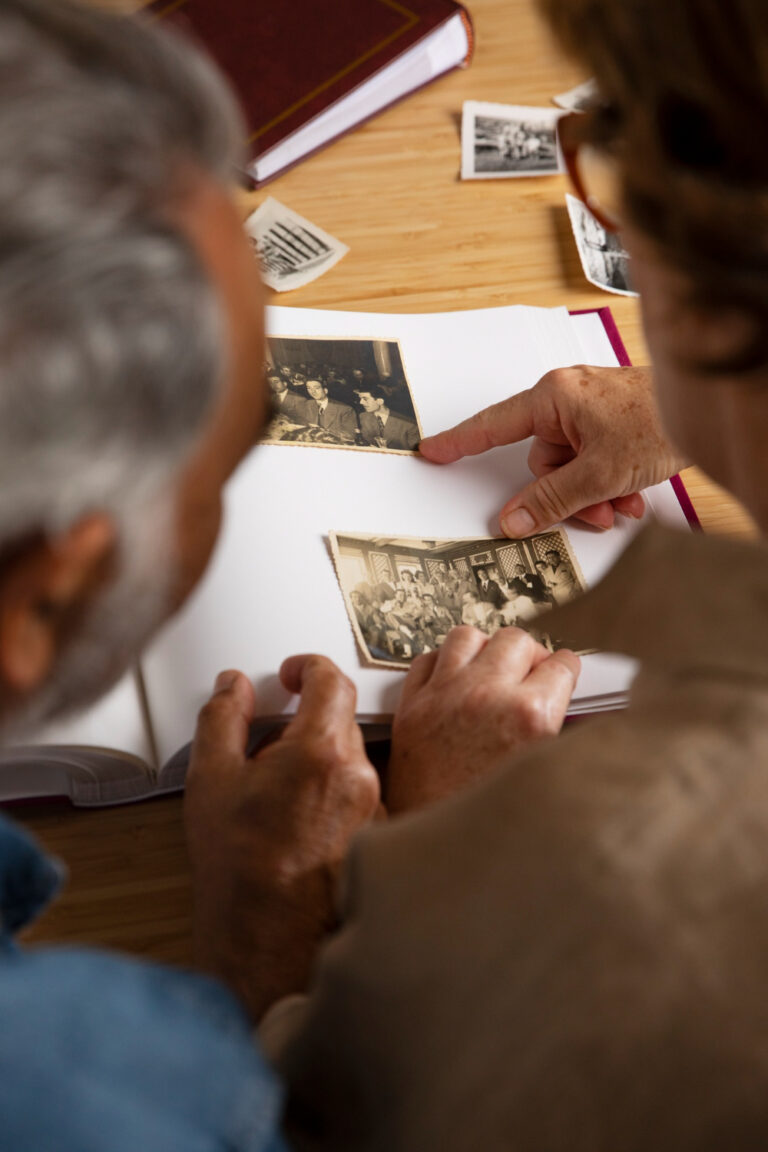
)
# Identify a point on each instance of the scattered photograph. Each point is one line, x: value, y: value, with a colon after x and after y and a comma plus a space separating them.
x: 336, y: 392
x: 499, y: 140
x: 603, y: 258
x: 291, y: 250
x: 404, y: 595
x: 577, y: 99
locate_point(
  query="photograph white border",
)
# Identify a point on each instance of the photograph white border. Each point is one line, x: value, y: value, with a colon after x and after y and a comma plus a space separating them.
x: 514, y: 114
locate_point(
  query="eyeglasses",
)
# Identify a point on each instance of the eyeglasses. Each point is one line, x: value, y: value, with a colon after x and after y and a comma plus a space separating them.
x: 589, y: 144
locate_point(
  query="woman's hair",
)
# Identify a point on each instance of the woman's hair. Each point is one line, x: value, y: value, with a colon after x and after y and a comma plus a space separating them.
x: 687, y: 84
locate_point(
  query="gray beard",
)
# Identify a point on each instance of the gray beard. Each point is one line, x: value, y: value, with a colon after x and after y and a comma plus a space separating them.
x: 113, y: 632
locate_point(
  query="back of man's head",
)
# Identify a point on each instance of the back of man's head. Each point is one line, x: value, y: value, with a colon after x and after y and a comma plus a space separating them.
x: 110, y: 350
x: 111, y: 335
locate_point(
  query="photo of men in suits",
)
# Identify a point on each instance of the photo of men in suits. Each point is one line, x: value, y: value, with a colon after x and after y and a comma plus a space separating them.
x: 340, y: 392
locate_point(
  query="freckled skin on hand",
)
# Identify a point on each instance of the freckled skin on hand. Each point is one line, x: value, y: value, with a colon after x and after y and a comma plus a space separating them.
x: 597, y: 440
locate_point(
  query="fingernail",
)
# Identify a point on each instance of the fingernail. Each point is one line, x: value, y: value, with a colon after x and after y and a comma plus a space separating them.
x: 518, y: 523
x: 224, y: 680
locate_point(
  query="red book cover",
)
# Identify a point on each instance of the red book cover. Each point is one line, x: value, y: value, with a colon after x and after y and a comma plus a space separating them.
x: 290, y: 60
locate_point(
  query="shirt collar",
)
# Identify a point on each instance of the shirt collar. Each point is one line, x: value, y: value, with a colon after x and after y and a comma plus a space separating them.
x: 677, y: 599
x: 28, y: 880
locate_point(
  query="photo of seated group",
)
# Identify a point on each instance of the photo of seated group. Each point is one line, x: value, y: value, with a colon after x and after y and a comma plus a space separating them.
x: 404, y: 595
x: 340, y: 393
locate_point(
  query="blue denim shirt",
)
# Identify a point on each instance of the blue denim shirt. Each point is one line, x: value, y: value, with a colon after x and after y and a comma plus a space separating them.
x: 99, y: 1053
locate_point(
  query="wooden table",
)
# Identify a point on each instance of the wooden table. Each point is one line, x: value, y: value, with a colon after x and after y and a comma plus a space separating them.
x: 420, y: 240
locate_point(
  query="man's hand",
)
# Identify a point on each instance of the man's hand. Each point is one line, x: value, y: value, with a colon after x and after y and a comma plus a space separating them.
x: 597, y: 441
x: 267, y: 833
x: 470, y: 705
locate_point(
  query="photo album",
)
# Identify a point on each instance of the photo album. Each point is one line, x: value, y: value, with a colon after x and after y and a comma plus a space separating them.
x: 306, y: 72
x: 338, y: 538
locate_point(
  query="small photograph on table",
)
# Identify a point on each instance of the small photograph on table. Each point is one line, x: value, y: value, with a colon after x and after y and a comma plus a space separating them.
x: 336, y: 392
x: 404, y: 594
x: 604, y: 260
x: 500, y: 140
x: 292, y: 251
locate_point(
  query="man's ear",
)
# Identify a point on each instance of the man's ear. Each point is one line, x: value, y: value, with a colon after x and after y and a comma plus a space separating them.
x: 45, y: 586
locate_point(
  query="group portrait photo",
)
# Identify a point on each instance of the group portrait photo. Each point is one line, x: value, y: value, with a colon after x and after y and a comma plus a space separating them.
x: 403, y: 595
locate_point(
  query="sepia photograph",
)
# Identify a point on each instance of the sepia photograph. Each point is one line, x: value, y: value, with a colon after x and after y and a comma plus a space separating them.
x: 499, y: 140
x: 403, y: 595
x: 335, y: 392
x: 604, y: 260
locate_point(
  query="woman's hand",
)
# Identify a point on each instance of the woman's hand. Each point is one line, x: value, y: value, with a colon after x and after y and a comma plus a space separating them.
x: 597, y: 441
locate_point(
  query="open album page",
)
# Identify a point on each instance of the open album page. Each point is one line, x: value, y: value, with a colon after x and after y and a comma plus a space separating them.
x: 272, y: 588
x: 68, y: 756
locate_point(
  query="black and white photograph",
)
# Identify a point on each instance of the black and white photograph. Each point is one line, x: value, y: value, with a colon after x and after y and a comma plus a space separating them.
x: 292, y: 250
x: 500, y: 140
x: 403, y: 595
x: 603, y: 258
x: 336, y: 392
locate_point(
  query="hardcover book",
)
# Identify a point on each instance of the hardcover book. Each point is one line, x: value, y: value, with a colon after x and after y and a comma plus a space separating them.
x: 334, y: 479
x: 307, y: 71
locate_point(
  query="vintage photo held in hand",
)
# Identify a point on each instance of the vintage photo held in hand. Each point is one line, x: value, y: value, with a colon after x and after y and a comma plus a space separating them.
x: 403, y: 595
x: 501, y: 140
x: 337, y: 392
x: 604, y: 260
x: 291, y: 250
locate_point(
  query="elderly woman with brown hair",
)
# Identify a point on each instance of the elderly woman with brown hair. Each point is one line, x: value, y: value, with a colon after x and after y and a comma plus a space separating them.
x: 573, y: 952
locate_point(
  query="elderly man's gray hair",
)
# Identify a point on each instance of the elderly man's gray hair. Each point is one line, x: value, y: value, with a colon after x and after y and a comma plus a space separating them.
x: 110, y: 334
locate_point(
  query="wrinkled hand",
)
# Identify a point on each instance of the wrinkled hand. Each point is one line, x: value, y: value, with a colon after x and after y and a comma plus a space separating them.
x: 469, y: 706
x: 267, y: 833
x: 597, y: 441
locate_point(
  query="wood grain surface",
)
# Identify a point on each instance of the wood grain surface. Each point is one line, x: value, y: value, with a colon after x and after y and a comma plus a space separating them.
x: 420, y: 240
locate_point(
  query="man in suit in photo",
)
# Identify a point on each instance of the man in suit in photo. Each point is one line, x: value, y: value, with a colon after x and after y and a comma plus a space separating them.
x: 331, y: 415
x: 529, y: 584
x: 383, y: 428
x: 285, y: 402
x: 490, y: 591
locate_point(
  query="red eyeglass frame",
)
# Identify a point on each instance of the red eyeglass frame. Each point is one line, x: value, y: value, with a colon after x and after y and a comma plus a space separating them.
x: 573, y: 131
